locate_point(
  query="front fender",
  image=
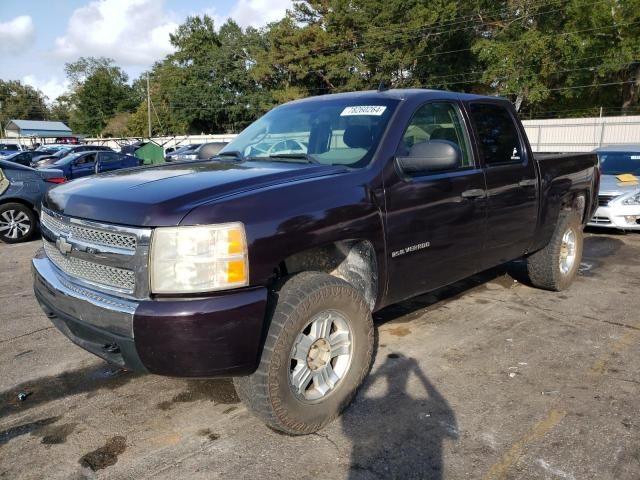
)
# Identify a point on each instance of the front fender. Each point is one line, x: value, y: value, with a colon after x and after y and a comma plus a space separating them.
x: 286, y: 219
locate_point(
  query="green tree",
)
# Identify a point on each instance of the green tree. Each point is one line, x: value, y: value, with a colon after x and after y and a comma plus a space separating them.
x: 60, y: 109
x: 331, y: 46
x: 100, y: 90
x: 207, y: 83
x: 21, y: 102
x: 568, y: 57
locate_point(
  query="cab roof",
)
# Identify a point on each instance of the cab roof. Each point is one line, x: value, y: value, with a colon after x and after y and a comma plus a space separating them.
x: 399, y: 94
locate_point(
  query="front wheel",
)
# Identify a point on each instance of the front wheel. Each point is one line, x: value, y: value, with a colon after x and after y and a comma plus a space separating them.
x: 17, y: 223
x: 556, y: 265
x: 317, y: 352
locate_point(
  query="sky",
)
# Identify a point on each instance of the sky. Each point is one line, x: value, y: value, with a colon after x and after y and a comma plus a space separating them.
x: 37, y: 37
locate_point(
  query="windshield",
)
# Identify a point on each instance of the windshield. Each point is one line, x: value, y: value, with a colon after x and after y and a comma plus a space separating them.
x: 332, y: 132
x: 618, y: 163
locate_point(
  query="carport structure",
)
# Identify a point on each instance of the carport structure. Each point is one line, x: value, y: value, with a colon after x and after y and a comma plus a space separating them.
x: 36, y: 129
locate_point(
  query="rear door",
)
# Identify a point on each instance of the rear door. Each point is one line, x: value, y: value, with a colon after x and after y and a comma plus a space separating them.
x: 108, y: 161
x: 512, y: 181
x: 435, y: 221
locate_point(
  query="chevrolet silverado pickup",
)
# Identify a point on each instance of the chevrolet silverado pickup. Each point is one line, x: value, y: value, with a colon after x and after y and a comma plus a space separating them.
x: 265, y: 264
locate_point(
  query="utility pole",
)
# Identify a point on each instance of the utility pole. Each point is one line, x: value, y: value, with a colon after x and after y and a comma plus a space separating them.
x: 148, y: 106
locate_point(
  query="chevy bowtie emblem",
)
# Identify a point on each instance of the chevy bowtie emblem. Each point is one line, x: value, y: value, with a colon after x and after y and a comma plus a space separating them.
x: 64, y: 246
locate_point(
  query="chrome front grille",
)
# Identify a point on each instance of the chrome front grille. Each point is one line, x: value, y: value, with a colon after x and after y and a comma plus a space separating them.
x: 95, y: 273
x: 109, y: 258
x: 89, y: 235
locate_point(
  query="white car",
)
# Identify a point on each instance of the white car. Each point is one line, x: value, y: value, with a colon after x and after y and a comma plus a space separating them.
x: 619, y: 197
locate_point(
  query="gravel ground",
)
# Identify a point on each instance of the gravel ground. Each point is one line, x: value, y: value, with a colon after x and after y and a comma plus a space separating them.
x: 488, y: 378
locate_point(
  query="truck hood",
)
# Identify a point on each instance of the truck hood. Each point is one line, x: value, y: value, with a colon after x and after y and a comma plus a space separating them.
x: 610, y: 185
x: 163, y: 195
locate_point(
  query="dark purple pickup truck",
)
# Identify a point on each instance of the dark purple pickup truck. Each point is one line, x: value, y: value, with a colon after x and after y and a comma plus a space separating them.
x: 266, y: 262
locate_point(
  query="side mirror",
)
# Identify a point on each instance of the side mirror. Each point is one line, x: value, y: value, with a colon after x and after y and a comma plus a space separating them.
x: 432, y: 156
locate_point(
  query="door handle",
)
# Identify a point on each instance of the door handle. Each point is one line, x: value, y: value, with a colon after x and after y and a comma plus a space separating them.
x: 474, y: 193
x: 527, y: 183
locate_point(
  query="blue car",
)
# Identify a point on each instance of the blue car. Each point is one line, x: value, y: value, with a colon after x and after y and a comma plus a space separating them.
x: 21, y: 191
x: 76, y: 165
x: 25, y: 157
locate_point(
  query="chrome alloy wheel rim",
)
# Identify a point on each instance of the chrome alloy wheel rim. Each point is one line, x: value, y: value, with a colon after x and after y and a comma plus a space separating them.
x: 14, y: 224
x: 321, y: 356
x: 568, y: 251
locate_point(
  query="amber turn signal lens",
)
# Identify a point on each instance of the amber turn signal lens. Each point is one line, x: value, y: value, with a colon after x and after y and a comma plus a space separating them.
x: 236, y: 271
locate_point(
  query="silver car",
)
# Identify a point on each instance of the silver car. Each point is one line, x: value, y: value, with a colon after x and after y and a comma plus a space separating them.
x: 619, y: 198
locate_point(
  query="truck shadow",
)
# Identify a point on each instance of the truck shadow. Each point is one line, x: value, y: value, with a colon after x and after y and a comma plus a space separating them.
x: 43, y: 390
x: 398, y: 434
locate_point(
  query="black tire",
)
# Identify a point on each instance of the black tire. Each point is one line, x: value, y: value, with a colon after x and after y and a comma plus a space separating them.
x: 267, y: 392
x: 18, y: 223
x: 543, y: 266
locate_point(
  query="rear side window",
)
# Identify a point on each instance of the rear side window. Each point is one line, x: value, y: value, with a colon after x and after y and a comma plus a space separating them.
x: 110, y: 157
x: 498, y: 138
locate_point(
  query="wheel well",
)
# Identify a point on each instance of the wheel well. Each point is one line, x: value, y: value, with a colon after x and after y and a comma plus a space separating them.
x: 17, y: 200
x: 354, y: 261
x: 578, y: 203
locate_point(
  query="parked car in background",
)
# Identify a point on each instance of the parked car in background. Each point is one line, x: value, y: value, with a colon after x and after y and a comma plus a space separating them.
x: 199, y: 151
x: 183, y: 153
x: 51, y: 148
x: 210, y: 149
x: 10, y: 148
x: 26, y: 157
x: 267, y: 267
x: 68, y: 140
x: 619, y: 198
x: 67, y: 150
x: 21, y: 191
x: 132, y: 148
x: 82, y: 164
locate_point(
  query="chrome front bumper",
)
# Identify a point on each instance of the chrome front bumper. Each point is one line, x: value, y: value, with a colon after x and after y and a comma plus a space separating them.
x: 616, y: 217
x: 55, y: 290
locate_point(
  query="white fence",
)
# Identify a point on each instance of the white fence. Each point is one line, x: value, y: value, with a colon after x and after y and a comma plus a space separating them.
x: 581, y: 134
x: 554, y: 135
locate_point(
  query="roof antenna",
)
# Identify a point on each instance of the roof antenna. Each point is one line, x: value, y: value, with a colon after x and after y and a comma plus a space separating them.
x: 382, y: 86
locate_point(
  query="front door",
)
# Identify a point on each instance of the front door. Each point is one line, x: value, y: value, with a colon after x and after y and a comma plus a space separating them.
x: 84, y: 165
x: 435, y: 220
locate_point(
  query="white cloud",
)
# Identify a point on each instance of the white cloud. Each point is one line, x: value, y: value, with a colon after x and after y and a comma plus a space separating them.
x: 255, y: 13
x: 52, y: 87
x: 16, y: 35
x: 132, y: 32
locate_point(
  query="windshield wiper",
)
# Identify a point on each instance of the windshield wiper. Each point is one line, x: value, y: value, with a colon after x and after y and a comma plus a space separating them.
x: 294, y: 156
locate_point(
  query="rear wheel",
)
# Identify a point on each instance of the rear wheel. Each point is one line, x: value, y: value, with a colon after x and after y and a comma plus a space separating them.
x: 556, y: 266
x: 317, y: 352
x: 17, y: 223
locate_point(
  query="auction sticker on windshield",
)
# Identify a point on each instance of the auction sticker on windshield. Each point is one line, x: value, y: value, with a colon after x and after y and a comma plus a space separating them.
x: 374, y: 110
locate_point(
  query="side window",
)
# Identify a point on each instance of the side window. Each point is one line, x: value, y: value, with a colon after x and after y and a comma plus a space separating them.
x: 498, y: 138
x: 86, y: 159
x: 109, y: 157
x: 437, y: 121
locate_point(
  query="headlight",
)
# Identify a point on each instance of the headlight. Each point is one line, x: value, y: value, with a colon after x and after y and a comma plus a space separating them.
x: 199, y: 259
x: 632, y: 199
